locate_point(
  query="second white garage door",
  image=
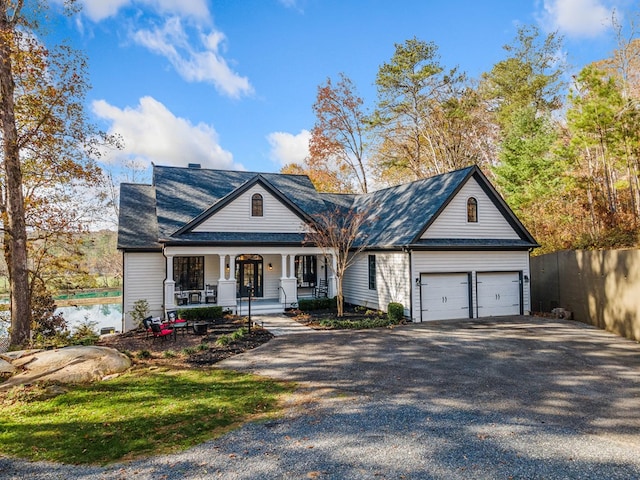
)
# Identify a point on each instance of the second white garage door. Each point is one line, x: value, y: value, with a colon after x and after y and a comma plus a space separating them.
x: 498, y: 293
x: 444, y: 296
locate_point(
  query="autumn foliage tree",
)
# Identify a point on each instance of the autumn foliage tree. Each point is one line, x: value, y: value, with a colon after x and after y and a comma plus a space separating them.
x: 46, y: 143
x: 338, y: 138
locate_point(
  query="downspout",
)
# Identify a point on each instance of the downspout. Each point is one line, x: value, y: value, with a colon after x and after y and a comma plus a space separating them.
x: 408, y: 251
x: 164, y: 300
x: 122, y: 316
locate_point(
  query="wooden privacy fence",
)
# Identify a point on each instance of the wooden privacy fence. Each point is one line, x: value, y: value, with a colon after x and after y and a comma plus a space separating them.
x: 601, y: 288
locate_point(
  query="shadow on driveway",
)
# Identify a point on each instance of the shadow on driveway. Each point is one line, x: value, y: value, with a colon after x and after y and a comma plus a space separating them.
x: 549, y: 392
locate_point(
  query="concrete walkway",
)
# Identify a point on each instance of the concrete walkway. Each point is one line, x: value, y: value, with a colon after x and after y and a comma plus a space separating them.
x: 280, y: 325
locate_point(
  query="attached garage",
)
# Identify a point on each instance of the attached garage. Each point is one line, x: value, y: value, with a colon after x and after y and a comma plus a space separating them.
x: 498, y: 293
x: 445, y: 296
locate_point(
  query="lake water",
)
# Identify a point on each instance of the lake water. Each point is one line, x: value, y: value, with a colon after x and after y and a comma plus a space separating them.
x: 105, y: 315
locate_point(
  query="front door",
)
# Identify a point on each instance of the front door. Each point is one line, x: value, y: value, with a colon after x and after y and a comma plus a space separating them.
x: 249, y: 274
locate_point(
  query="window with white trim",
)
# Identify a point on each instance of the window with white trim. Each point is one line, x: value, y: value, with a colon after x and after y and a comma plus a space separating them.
x: 257, y: 205
x: 472, y: 210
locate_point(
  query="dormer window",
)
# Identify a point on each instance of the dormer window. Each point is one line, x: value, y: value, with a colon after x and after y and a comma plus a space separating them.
x: 256, y: 205
x: 472, y: 210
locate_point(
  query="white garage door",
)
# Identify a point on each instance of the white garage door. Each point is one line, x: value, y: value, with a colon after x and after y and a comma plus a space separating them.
x: 444, y: 296
x: 498, y: 293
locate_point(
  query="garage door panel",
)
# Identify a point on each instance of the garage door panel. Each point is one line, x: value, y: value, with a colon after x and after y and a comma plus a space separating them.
x: 444, y: 296
x: 498, y: 293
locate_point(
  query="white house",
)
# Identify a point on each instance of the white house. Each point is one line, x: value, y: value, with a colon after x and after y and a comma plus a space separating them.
x: 445, y: 247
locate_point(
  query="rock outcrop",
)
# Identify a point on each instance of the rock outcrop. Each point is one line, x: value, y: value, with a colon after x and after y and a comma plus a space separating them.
x: 77, y: 364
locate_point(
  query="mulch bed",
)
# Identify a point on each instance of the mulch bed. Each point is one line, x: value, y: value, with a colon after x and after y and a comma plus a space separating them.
x: 312, y: 319
x: 135, y: 342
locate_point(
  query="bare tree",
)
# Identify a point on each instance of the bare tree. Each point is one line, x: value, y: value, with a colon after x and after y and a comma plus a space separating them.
x: 338, y: 232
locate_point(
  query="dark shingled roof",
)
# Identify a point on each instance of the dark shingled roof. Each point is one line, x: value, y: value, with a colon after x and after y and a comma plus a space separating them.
x: 137, y: 222
x: 396, y: 216
x: 182, y: 194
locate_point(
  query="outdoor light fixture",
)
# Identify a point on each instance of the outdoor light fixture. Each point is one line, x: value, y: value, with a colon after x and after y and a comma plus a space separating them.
x: 526, y: 279
x: 270, y: 266
x: 227, y: 267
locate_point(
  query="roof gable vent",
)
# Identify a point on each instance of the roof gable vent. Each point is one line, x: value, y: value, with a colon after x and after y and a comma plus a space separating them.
x: 194, y: 165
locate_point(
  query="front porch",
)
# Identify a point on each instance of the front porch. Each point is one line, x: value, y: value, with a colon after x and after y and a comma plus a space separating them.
x: 202, y: 276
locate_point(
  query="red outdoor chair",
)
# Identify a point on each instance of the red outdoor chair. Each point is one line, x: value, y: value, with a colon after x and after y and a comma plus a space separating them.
x: 161, y: 332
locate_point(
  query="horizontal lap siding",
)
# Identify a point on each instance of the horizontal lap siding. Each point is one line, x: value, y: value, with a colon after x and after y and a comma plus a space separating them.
x: 144, y: 275
x: 459, y: 262
x: 392, y: 277
x: 271, y: 280
x: 452, y: 222
x: 236, y: 217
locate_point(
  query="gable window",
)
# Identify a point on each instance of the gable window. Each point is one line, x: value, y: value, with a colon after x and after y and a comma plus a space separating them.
x: 256, y: 205
x: 188, y: 273
x: 372, y: 272
x: 472, y: 210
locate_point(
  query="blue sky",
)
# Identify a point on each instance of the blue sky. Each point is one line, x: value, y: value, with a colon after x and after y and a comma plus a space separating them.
x: 230, y: 83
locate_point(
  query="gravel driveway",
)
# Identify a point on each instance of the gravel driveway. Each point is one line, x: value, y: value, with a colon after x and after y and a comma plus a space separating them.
x: 504, y: 398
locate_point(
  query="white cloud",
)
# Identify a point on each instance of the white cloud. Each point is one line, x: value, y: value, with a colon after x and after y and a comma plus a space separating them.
x: 150, y: 132
x: 577, y: 18
x: 205, y: 64
x: 288, y: 148
x: 98, y: 10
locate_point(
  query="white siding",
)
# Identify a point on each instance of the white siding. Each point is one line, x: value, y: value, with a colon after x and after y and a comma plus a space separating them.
x: 452, y: 222
x: 211, y: 269
x: 458, y: 262
x: 236, y: 217
x: 271, y: 279
x: 144, y: 275
x: 392, y: 281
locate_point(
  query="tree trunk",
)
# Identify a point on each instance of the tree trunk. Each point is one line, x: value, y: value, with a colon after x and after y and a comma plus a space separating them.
x: 15, y: 217
x: 339, y: 297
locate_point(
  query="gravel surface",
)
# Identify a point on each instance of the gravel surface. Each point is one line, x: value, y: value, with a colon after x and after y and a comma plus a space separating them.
x: 517, y: 398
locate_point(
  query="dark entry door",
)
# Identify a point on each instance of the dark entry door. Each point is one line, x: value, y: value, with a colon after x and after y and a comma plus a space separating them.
x: 249, y: 272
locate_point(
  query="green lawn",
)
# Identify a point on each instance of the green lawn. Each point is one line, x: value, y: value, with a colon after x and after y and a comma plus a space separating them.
x: 144, y: 412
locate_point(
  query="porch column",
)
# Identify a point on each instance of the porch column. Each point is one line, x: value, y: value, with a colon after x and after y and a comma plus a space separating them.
x: 292, y: 266
x: 169, y: 286
x: 227, y: 287
x: 331, y: 281
x: 288, y: 283
x: 223, y: 275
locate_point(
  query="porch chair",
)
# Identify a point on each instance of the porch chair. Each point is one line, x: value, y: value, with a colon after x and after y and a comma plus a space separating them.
x: 321, y: 290
x: 159, y: 331
x: 182, y: 298
x: 146, y: 324
x: 211, y: 294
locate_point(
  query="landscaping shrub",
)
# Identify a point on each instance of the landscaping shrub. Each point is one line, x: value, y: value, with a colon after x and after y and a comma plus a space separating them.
x: 238, y: 334
x: 395, y: 312
x: 200, y: 314
x: 338, y: 323
x: 309, y: 304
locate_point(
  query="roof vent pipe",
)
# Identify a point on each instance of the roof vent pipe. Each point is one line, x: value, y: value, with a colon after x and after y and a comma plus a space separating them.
x: 194, y: 165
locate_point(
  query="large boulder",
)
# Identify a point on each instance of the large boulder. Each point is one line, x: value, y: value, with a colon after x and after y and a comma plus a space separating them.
x: 78, y: 364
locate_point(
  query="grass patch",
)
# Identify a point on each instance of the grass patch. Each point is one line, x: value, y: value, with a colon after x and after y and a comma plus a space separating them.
x: 140, y: 413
